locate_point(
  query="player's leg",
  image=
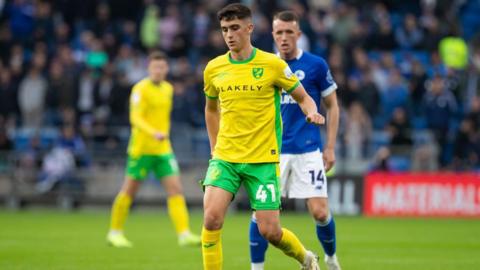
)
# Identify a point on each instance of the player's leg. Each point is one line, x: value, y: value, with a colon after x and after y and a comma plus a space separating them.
x: 309, y: 182
x: 263, y: 187
x: 325, y: 228
x: 167, y: 169
x: 119, y: 214
x: 258, y: 244
x: 215, y: 205
x: 221, y: 183
x: 285, y: 240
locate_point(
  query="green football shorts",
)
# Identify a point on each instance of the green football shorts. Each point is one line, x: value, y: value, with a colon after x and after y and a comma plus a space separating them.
x: 138, y: 167
x: 261, y: 181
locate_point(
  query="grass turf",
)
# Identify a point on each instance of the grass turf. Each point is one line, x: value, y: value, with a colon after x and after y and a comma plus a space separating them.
x: 49, y: 239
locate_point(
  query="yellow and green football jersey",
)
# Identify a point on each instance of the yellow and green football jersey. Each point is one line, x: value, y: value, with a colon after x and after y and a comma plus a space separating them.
x: 249, y: 94
x: 150, y: 108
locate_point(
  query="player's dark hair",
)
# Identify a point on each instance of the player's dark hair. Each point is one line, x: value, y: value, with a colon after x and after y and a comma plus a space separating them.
x: 287, y: 16
x: 234, y: 11
x: 157, y: 55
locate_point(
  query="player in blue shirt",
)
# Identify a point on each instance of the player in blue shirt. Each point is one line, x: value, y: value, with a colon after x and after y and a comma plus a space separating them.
x: 304, y: 160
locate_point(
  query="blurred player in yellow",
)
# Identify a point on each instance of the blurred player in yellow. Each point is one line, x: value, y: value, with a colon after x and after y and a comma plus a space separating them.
x: 149, y: 150
x: 243, y: 89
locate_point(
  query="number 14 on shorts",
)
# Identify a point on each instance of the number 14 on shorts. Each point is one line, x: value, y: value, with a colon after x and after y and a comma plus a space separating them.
x: 318, y: 179
x: 263, y: 190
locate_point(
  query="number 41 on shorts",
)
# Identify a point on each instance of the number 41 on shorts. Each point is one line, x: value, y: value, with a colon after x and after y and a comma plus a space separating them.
x: 262, y: 192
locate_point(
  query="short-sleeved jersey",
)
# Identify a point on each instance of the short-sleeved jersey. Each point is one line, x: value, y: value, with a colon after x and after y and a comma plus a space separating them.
x: 298, y: 135
x: 249, y: 94
x: 152, y: 104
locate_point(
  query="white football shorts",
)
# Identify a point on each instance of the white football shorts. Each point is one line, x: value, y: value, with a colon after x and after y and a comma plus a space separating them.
x: 303, y: 175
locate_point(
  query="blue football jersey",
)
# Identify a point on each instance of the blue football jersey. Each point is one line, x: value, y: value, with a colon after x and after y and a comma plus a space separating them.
x: 298, y: 135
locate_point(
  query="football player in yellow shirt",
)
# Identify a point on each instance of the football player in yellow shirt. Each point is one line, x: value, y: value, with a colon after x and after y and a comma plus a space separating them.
x: 243, y: 89
x: 149, y: 150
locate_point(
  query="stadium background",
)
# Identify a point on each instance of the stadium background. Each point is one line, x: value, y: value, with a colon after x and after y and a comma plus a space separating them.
x: 409, y: 88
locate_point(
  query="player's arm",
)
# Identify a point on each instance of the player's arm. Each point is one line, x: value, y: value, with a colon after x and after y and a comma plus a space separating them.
x: 212, y: 109
x: 333, y: 115
x: 212, y: 120
x: 307, y: 105
x: 137, y: 110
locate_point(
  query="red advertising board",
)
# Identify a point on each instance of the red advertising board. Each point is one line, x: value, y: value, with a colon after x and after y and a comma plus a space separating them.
x: 422, y: 194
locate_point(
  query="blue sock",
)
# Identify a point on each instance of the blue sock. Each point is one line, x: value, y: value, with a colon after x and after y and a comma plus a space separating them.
x: 258, y: 244
x: 326, y: 235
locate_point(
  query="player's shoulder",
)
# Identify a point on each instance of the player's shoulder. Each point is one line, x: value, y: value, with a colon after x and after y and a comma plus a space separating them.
x: 217, y: 62
x: 140, y: 85
x: 167, y: 84
x: 269, y: 57
x: 314, y: 59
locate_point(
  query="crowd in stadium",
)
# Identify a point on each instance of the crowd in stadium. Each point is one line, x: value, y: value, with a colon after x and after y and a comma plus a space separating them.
x: 408, y: 71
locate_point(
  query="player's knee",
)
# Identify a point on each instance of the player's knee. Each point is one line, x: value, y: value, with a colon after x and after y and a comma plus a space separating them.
x: 212, y: 221
x: 320, y: 214
x: 271, y: 232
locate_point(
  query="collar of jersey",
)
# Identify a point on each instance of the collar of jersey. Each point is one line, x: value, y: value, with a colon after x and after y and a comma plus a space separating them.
x: 252, y: 55
x: 299, y: 54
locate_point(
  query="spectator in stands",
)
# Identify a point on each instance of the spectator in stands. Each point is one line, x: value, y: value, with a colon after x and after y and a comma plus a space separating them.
x: 149, y: 27
x: 400, y: 131
x: 86, y: 98
x: 216, y: 46
x: 103, y: 91
x: 43, y: 21
x: 57, y: 88
x: 119, y: 101
x: 200, y: 27
x: 5, y: 143
x: 433, y: 34
x: 370, y: 96
x: 344, y: 21
x: 409, y: 35
x: 440, y: 107
x: 358, y: 131
x: 262, y: 36
x: 136, y: 70
x: 69, y: 139
x: 170, y: 27
x: 31, y: 98
x: 383, y: 38
x: 474, y: 114
x: 416, y: 87
x: 396, y: 93
x: 8, y: 96
x: 21, y: 19
x: 465, y: 155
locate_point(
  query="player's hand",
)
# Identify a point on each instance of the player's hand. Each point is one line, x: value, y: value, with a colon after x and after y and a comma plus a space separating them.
x: 328, y: 158
x: 315, y: 118
x: 160, y: 136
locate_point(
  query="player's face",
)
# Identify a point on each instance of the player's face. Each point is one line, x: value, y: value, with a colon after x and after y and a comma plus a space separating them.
x: 157, y: 70
x: 236, y: 33
x: 286, y: 35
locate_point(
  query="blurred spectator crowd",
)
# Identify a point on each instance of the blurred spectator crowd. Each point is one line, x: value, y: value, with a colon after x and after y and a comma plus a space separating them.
x: 408, y: 72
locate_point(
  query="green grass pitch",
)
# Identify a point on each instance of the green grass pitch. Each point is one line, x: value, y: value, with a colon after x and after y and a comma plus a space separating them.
x: 50, y: 239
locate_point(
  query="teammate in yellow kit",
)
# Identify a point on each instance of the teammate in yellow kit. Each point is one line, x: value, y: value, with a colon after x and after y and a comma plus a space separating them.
x: 243, y: 89
x: 149, y: 150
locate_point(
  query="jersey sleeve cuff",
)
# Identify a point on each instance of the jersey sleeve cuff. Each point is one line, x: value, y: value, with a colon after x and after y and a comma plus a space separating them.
x: 210, y: 97
x: 293, y: 87
x: 329, y: 90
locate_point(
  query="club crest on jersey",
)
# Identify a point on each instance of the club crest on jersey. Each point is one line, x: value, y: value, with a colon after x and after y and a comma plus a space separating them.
x: 257, y: 73
x: 300, y: 74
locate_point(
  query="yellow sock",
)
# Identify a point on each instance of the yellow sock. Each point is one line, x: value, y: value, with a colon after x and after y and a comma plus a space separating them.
x: 212, y: 249
x: 120, y: 209
x: 177, y: 209
x: 291, y: 246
